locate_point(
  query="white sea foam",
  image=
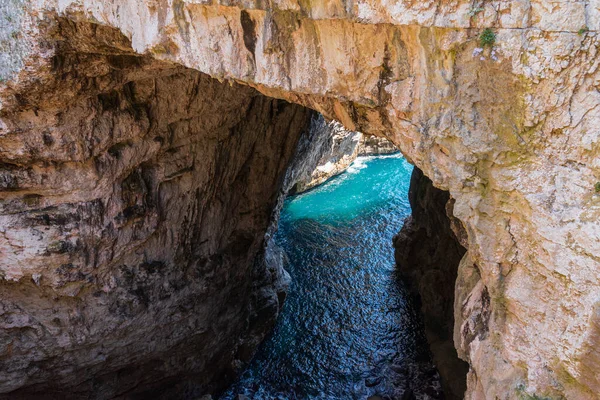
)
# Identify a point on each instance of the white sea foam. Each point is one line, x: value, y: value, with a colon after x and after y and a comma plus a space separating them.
x: 361, y: 162
x: 357, y: 165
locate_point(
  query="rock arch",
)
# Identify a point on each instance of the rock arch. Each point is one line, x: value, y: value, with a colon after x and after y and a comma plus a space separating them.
x: 511, y: 132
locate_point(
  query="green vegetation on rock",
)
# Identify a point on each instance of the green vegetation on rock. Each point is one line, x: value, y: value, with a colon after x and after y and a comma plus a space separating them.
x: 487, y: 37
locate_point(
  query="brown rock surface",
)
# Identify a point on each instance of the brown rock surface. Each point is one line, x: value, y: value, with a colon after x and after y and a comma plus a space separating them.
x: 511, y: 131
x: 135, y: 198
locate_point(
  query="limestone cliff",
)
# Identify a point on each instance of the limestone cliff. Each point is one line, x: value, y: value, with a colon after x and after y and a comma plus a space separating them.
x: 334, y: 148
x: 507, y: 123
x: 373, y: 146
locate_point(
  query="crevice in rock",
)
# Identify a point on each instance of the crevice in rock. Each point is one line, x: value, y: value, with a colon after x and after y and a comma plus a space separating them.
x: 428, y: 251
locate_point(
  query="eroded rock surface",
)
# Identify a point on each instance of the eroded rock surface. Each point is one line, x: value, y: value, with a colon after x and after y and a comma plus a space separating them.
x: 512, y: 131
x: 374, y: 146
x: 333, y: 149
x: 135, y: 198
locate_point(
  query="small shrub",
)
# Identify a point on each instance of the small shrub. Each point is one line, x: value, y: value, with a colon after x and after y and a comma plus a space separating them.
x: 487, y: 38
x: 597, y: 187
x: 583, y: 31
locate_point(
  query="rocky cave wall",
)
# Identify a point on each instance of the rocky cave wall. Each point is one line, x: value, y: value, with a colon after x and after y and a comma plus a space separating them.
x: 510, y: 130
x: 428, y: 253
x: 337, y: 149
x: 135, y: 198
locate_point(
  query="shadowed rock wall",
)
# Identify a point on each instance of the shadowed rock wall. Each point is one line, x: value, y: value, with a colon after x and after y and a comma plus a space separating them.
x: 428, y: 253
x: 135, y: 196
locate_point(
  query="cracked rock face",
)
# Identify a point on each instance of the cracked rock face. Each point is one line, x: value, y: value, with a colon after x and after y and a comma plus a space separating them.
x: 512, y: 132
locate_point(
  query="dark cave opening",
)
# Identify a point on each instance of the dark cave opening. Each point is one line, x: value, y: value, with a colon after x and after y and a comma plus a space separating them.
x: 154, y: 186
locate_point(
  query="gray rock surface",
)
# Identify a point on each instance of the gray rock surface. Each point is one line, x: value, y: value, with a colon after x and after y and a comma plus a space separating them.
x: 374, y: 146
x: 336, y: 150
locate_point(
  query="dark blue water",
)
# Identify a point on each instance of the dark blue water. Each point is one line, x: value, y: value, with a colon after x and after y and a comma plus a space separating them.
x: 348, y: 329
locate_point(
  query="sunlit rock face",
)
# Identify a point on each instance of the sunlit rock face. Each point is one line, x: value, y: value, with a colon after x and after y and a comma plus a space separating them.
x: 373, y: 146
x: 334, y: 148
x: 511, y: 131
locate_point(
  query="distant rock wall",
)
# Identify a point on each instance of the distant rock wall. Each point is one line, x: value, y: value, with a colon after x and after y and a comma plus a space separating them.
x: 374, y: 146
x: 334, y: 150
x: 337, y: 149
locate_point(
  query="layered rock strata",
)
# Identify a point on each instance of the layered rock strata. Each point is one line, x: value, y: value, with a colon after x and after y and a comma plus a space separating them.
x: 509, y: 129
x: 375, y: 146
x: 135, y: 198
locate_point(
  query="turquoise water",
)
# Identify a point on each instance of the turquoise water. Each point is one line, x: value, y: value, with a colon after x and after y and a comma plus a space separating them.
x: 348, y: 329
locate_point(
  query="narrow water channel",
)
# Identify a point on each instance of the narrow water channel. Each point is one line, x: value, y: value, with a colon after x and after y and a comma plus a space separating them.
x: 348, y: 329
